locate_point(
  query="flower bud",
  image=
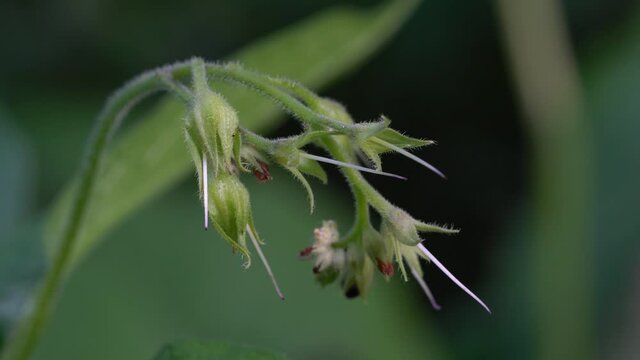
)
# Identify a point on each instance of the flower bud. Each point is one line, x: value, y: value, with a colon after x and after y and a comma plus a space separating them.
x: 359, y: 273
x: 211, y: 123
x: 400, y: 226
x: 330, y: 261
x: 218, y: 123
x: 288, y: 156
x: 230, y: 209
x: 261, y: 171
x: 334, y: 110
x: 381, y: 250
x: 326, y: 255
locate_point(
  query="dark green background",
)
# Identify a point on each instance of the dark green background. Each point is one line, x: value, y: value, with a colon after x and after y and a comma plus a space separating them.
x: 444, y: 77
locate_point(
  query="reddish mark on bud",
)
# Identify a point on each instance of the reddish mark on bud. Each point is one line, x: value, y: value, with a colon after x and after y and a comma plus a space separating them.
x: 386, y: 268
x: 262, y: 174
x: 306, y: 252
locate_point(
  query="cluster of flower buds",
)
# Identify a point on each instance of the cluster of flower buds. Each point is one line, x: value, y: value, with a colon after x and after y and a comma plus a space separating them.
x: 351, y: 264
x: 221, y: 149
x: 398, y: 237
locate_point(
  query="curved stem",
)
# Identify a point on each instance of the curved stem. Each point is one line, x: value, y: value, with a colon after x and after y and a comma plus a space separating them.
x: 354, y: 177
x: 116, y: 108
x: 114, y: 111
x: 262, y: 83
x: 363, y: 192
x: 257, y: 141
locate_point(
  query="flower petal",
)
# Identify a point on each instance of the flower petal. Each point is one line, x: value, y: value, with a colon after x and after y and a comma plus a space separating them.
x: 451, y: 276
x: 425, y: 288
x: 264, y: 262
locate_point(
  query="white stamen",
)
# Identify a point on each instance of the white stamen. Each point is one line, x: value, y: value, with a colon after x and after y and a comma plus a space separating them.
x: 205, y: 190
x: 410, y: 156
x: 425, y: 288
x: 450, y: 275
x: 352, y: 166
x: 264, y: 262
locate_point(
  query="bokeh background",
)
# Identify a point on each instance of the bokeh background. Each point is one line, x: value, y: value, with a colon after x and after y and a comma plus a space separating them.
x: 535, y: 108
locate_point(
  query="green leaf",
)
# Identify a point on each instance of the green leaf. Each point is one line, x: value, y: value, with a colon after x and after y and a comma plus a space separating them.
x: 213, y: 350
x: 298, y: 175
x: 400, y: 140
x: 159, y: 277
x: 393, y: 137
x: 313, y: 168
x: 371, y: 151
x: 151, y: 157
x: 369, y: 129
x: 612, y: 82
x: 435, y: 228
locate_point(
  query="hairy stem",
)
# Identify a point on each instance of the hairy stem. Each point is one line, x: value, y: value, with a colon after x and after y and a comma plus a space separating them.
x: 364, y: 194
x: 236, y: 74
x: 363, y: 191
x: 114, y: 111
x: 164, y: 78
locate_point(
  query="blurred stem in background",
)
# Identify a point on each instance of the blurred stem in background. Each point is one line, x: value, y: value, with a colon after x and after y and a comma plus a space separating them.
x: 316, y: 51
x: 544, y: 72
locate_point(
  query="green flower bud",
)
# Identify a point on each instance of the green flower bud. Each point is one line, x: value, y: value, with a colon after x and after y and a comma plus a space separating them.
x: 218, y: 123
x: 398, y: 225
x: 409, y: 253
x: 212, y: 124
x: 287, y: 155
x: 230, y: 210
x: 337, y: 111
x: 372, y: 138
x: 359, y: 273
x: 334, y: 110
x: 290, y: 157
x: 380, y: 249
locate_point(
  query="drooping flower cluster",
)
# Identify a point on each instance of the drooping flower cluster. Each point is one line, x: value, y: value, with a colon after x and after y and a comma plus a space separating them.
x: 221, y: 149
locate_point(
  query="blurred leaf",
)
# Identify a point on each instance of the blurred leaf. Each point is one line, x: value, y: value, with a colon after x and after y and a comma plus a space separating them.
x: 151, y: 157
x: 160, y: 277
x: 213, y: 350
x: 21, y: 258
x: 313, y: 168
x: 16, y: 172
x: 613, y: 86
x: 561, y: 169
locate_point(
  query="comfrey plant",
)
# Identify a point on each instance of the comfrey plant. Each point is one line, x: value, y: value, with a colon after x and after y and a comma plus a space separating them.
x: 222, y: 149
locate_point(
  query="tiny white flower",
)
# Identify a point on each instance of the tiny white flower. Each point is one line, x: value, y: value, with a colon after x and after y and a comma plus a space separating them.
x: 327, y: 257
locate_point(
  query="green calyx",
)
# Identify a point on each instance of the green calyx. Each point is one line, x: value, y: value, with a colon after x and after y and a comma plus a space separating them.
x: 358, y: 274
x: 230, y: 210
x: 212, y: 124
x: 400, y: 226
x: 216, y: 139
